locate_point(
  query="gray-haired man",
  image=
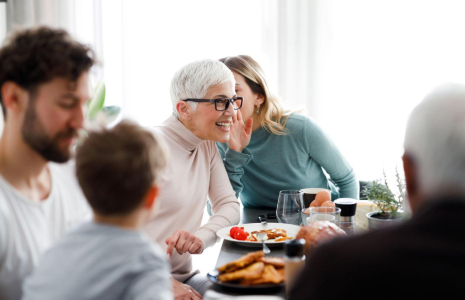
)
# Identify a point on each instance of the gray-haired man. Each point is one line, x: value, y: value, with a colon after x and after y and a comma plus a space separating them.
x: 425, y: 256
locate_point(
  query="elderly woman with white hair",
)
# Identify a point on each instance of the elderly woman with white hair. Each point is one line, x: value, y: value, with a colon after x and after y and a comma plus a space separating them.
x: 204, y: 106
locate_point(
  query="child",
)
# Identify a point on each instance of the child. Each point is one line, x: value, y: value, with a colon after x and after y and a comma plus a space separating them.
x: 109, y: 258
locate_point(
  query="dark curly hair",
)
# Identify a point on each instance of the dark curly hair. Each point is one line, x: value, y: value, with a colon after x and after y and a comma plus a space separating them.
x: 35, y: 56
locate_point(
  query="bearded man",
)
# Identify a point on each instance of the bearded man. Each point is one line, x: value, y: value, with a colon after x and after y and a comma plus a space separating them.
x: 43, y: 89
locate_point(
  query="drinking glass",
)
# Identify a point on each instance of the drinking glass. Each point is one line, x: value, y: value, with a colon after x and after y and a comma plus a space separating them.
x: 290, y: 203
x: 331, y: 214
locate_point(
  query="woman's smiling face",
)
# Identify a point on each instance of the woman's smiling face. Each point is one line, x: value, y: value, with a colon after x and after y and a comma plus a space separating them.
x: 206, y: 122
x: 250, y: 98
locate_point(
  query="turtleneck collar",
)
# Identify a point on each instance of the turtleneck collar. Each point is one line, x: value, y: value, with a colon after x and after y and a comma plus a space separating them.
x: 181, y: 135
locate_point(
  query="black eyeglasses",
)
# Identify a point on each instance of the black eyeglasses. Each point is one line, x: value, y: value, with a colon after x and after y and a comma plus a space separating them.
x: 222, y: 104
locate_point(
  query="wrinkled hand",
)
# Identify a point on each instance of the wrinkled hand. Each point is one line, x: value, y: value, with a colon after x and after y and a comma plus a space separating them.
x: 184, y: 292
x: 184, y: 241
x: 240, y: 133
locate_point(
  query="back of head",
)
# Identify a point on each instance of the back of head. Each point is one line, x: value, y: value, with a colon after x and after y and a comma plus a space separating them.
x: 116, y: 167
x: 194, y: 79
x: 435, y: 139
x: 271, y: 111
x: 35, y: 56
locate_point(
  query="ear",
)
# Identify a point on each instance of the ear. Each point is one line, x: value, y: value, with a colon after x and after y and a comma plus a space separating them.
x: 151, y: 197
x: 184, y: 109
x: 411, y: 180
x: 259, y: 100
x: 15, y: 98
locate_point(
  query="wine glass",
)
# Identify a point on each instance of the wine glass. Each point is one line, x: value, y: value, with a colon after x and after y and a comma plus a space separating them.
x: 290, y: 203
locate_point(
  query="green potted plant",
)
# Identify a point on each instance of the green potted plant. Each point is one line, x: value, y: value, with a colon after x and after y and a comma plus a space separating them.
x: 96, y: 111
x: 389, y: 204
x: 98, y: 115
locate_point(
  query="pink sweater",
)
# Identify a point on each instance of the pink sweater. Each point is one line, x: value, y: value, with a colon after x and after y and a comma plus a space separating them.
x: 195, y: 172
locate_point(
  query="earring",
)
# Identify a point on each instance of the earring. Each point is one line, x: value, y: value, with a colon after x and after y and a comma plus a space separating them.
x: 258, y: 108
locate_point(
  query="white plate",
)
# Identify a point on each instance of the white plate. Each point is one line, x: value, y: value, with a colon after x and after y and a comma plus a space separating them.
x: 291, y: 230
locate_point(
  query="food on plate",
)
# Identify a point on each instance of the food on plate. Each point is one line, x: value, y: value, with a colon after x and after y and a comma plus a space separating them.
x: 283, y: 238
x: 271, y: 233
x: 252, y: 269
x: 277, y: 262
x: 238, y: 233
x: 269, y: 275
x: 317, y: 232
x: 241, y: 262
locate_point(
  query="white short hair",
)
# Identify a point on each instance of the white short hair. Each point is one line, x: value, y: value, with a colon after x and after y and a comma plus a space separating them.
x: 435, y: 139
x: 194, y: 80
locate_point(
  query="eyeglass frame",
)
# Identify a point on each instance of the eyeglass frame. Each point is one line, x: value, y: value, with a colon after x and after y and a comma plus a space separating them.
x: 231, y: 101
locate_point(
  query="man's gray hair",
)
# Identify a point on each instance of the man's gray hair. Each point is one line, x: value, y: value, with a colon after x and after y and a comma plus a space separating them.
x: 435, y: 139
x: 194, y: 79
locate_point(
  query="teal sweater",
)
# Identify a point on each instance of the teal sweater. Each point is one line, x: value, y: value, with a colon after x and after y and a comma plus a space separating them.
x: 271, y: 163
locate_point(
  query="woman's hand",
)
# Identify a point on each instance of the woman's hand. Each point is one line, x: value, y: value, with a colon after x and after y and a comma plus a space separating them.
x: 184, y: 292
x: 184, y: 241
x: 239, y: 136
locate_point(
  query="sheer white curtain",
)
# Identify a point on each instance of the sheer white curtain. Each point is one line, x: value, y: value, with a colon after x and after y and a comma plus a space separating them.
x: 290, y: 49
x: 146, y: 42
x: 56, y: 13
x: 2, y: 37
x: 371, y: 62
x: 81, y: 18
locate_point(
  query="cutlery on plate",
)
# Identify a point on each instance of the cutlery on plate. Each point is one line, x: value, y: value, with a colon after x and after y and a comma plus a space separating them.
x: 261, y: 236
x: 262, y: 219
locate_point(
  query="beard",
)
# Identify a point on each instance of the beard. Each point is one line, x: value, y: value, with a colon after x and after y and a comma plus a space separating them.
x: 48, y: 147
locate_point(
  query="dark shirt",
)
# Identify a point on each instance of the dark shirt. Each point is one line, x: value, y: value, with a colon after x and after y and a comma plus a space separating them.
x: 422, y: 257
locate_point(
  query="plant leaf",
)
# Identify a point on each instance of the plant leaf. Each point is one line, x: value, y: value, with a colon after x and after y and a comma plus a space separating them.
x: 96, y: 103
x: 111, y: 113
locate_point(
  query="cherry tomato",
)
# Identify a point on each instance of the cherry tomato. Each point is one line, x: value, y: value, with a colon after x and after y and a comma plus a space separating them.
x: 240, y: 235
x: 233, y: 231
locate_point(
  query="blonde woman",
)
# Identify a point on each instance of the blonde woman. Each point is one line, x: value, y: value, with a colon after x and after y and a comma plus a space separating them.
x: 271, y: 149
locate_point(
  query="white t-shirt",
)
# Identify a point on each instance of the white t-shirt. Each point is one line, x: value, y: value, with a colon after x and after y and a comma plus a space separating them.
x: 29, y: 228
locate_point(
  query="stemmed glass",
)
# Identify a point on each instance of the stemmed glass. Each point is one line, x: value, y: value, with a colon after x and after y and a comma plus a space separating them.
x: 290, y: 203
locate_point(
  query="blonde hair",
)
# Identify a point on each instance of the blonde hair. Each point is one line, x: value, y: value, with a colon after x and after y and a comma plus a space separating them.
x: 272, y: 115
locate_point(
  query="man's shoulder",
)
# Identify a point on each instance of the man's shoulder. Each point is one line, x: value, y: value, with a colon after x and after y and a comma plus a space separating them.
x: 394, y: 243
x: 365, y: 248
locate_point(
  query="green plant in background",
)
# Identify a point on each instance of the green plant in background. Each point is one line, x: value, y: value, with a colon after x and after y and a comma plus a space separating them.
x: 96, y: 111
x: 97, y: 114
x: 389, y: 203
